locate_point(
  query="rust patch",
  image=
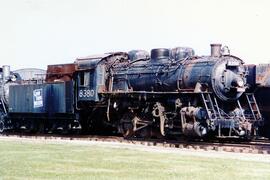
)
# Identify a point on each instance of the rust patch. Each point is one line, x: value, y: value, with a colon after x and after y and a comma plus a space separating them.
x: 60, y: 72
x: 263, y: 75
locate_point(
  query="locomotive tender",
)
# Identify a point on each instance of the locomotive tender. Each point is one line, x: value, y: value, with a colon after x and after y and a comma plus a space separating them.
x: 259, y: 80
x: 169, y: 92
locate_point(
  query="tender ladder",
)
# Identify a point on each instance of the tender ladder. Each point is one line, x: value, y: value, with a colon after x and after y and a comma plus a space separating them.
x: 253, y: 106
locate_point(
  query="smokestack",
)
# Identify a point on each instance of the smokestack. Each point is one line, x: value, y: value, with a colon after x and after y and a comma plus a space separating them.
x: 215, y: 50
x: 6, y: 72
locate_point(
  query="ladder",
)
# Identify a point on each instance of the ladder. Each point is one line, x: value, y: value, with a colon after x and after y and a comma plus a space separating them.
x: 241, y: 110
x: 253, y: 106
x: 213, y: 111
x: 3, y: 106
x: 210, y: 106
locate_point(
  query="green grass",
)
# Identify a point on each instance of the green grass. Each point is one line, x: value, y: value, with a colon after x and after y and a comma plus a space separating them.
x: 26, y: 160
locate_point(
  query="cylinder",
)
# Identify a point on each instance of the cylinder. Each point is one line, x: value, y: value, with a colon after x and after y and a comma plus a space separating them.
x: 215, y: 50
x: 194, y: 129
x: 6, y: 72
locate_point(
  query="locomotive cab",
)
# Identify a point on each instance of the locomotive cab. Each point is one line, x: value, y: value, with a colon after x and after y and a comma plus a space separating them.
x: 89, y: 83
x: 91, y: 75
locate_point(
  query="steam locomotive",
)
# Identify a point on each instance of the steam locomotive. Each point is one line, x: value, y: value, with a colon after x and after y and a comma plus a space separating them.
x: 167, y: 93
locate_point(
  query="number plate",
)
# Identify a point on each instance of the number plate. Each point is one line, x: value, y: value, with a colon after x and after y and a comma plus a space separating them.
x: 86, y: 93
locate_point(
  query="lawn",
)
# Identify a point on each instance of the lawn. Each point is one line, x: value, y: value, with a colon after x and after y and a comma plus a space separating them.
x: 31, y: 160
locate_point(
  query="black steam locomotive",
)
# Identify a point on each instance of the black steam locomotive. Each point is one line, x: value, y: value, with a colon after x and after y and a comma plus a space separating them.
x: 169, y: 92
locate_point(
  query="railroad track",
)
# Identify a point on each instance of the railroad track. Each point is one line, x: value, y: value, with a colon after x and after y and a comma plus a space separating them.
x: 255, y: 147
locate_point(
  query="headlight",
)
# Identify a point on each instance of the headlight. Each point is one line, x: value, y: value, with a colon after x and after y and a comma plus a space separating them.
x: 240, y: 82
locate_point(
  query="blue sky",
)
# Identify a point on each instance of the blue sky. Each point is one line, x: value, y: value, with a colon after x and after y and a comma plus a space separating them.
x: 35, y: 33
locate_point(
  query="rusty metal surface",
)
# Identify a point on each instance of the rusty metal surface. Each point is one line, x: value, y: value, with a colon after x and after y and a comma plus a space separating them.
x: 90, y: 62
x: 60, y: 72
x: 263, y: 75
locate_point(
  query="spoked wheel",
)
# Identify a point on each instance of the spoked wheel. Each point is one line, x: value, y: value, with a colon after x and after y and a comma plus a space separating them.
x: 133, y: 125
x: 127, y: 129
x: 145, y: 133
x: 126, y: 125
